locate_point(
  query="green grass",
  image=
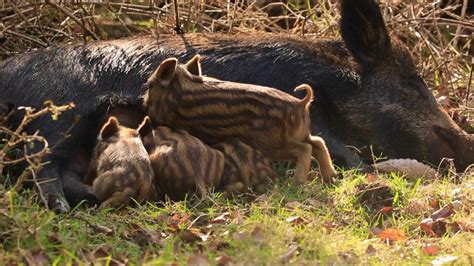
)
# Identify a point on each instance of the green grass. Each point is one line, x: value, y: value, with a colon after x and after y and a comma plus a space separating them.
x: 310, y: 224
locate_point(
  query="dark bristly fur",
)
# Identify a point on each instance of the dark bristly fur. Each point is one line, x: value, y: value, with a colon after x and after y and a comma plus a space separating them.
x: 245, y: 168
x: 273, y: 122
x: 182, y: 163
x: 367, y: 90
x: 120, y: 167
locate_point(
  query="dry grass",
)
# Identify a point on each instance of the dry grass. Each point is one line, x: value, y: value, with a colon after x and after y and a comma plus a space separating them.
x: 439, y: 36
x: 287, y: 225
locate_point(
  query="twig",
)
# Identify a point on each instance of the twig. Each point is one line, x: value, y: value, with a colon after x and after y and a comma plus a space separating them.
x: 69, y: 14
x: 178, y: 28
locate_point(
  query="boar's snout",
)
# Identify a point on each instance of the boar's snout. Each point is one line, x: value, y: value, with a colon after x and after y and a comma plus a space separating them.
x: 454, y: 143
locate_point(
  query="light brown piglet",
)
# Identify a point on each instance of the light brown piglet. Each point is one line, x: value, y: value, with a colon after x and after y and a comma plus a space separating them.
x: 120, y: 168
x: 245, y: 168
x: 273, y: 122
x: 182, y: 163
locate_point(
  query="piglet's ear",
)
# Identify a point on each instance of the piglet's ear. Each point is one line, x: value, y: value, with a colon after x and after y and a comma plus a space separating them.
x: 110, y: 128
x: 165, y: 73
x: 194, y: 65
x: 145, y: 127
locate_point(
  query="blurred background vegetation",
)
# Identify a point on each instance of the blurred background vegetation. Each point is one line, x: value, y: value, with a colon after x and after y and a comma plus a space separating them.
x: 439, y: 33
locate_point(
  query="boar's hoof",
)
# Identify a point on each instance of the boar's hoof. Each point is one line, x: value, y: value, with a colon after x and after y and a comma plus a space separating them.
x: 57, y: 203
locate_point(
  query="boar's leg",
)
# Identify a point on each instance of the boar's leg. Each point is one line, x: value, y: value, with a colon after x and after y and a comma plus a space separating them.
x: 321, y: 154
x: 75, y: 190
x: 51, y: 187
x: 340, y: 153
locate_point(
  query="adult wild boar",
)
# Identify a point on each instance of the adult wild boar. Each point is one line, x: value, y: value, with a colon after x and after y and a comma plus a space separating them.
x: 367, y: 89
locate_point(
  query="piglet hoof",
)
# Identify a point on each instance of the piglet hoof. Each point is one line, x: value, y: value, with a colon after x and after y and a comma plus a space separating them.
x: 330, y: 175
x: 57, y: 203
x: 298, y: 181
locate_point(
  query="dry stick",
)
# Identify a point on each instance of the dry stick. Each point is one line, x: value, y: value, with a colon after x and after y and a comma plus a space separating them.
x: 459, y: 28
x: 69, y: 14
x: 470, y: 76
x: 28, y: 38
x: 178, y: 28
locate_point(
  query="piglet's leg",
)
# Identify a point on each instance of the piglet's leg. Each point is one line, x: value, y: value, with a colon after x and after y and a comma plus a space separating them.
x: 320, y: 152
x: 119, y: 198
x: 232, y: 189
x: 201, y: 191
x: 302, y: 156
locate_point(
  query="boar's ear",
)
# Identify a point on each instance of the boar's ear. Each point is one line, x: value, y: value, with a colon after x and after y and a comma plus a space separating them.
x: 145, y: 127
x: 109, y: 128
x: 194, y: 65
x: 164, y: 73
x: 363, y: 31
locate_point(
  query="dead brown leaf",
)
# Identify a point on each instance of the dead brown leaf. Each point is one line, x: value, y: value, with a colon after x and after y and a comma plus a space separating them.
x: 375, y: 230
x: 239, y: 236
x: 54, y: 239
x: 371, y: 177
x: 188, y: 236
x: 223, y: 260
x: 257, y: 235
x: 295, y: 220
x: 37, y: 258
x: 177, y: 221
x: 430, y: 250
x: 392, y: 235
x: 289, y: 254
x: 221, y: 219
x: 198, y: 260
x: 370, y: 250
x: 386, y: 210
x: 444, y: 212
x: 102, y: 229
x: 427, y: 226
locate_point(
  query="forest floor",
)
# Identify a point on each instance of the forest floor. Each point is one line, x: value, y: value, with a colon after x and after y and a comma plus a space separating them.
x: 361, y: 219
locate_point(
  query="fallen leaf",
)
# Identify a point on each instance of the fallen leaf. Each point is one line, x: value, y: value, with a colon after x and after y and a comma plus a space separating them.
x: 315, y: 203
x: 289, y: 254
x: 239, y: 236
x: 370, y: 250
x: 257, y: 235
x: 188, y: 236
x: 386, y: 210
x: 294, y: 220
x: 54, y: 239
x: 434, y: 203
x: 443, y: 260
x: 371, y: 177
x: 444, y: 212
x: 37, y: 258
x: 101, y: 252
x: 221, y: 218
x: 392, y: 234
x: 176, y: 220
x: 427, y: 226
x: 198, y: 260
x: 430, y: 250
x: 375, y: 230
x: 223, y: 260
x: 262, y: 198
x: 294, y: 205
x: 330, y: 225
x: 102, y: 229
x: 217, y: 246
